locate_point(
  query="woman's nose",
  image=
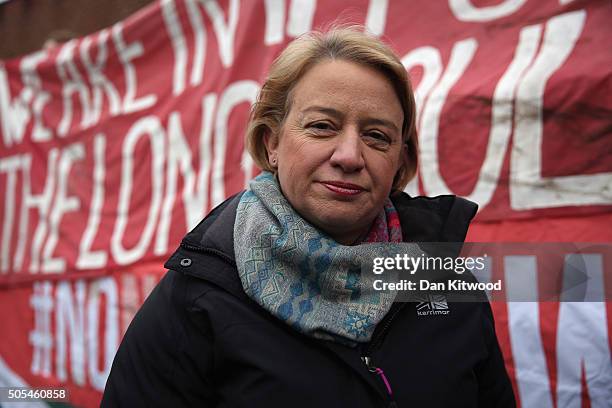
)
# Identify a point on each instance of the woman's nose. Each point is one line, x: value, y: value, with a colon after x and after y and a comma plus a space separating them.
x: 347, y: 151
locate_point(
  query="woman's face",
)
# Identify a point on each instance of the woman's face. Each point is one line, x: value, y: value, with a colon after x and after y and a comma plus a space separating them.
x: 339, y: 147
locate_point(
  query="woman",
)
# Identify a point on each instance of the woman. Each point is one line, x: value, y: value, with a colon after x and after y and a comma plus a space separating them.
x: 260, y: 307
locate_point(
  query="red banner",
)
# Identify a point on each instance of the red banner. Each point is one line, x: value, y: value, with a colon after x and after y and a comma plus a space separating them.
x: 112, y: 146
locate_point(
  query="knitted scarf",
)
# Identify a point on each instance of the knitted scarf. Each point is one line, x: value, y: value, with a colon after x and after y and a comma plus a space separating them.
x: 302, y: 276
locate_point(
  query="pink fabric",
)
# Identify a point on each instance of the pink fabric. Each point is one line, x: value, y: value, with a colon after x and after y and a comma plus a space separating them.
x: 380, y: 372
x: 386, y: 227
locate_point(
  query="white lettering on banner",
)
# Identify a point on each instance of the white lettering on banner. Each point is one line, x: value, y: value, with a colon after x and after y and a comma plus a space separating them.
x: 148, y: 125
x: 275, y: 21
x: 376, y: 16
x: 179, y: 44
x: 524, y: 329
x: 301, y: 14
x: 88, y: 259
x: 33, y: 91
x: 72, y: 316
x: 79, y: 333
x: 72, y: 84
x: 179, y: 156
x: 108, y: 288
x: 99, y: 82
x: 14, y: 115
x: 196, y: 202
x: 235, y: 94
x: 199, y: 30
x: 582, y: 339
x: 460, y: 57
x: 225, y: 32
x: 129, y: 300
x: 582, y: 336
x: 501, y: 118
x: 528, y: 189
x: 43, y: 203
x: 429, y: 59
x: 126, y: 54
x: 62, y: 204
x: 464, y: 10
x: 10, y: 166
x: 41, y: 338
x: 195, y: 187
x: 24, y: 215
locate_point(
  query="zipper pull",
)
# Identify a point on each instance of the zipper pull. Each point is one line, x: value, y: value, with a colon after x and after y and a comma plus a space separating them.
x: 367, y: 360
x: 369, y: 364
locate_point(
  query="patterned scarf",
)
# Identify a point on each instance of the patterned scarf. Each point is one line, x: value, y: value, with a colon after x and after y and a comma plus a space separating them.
x: 304, y: 277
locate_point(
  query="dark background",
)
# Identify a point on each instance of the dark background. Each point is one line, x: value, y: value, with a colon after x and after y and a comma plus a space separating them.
x: 25, y: 25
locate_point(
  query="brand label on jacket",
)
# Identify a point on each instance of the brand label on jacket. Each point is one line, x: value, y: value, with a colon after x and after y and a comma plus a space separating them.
x: 430, y: 305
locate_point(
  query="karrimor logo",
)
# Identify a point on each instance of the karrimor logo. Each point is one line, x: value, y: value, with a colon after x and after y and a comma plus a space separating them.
x: 430, y: 305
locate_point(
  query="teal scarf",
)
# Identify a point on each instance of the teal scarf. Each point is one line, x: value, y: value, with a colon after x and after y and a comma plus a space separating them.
x: 303, y: 277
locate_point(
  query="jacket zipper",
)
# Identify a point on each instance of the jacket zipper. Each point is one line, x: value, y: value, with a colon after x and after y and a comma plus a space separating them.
x: 208, y: 251
x: 379, y: 335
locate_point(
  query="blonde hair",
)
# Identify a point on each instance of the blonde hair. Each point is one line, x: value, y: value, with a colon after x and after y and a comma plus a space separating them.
x: 347, y: 43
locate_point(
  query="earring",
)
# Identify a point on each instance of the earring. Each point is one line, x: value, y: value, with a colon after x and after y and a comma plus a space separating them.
x: 273, y: 161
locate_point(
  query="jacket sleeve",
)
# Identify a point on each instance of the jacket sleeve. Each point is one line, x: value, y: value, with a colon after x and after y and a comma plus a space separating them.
x: 165, y: 358
x: 495, y: 388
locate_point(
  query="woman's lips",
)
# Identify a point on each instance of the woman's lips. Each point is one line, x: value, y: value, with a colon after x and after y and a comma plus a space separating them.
x: 342, y: 188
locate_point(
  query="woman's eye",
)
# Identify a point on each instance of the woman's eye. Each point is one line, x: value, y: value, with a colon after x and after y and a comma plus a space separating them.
x: 321, y: 125
x: 377, y: 137
x: 321, y: 128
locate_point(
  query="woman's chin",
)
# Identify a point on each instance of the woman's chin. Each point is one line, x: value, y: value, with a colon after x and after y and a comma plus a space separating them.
x: 344, y: 230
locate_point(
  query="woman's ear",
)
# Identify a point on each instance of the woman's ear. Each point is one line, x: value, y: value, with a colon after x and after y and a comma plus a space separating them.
x: 271, y: 142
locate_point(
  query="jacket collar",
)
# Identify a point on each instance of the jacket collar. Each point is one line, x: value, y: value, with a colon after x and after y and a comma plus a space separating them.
x: 207, y: 252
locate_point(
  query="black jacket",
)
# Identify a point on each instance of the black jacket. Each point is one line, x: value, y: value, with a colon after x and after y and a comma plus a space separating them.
x: 199, y: 341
